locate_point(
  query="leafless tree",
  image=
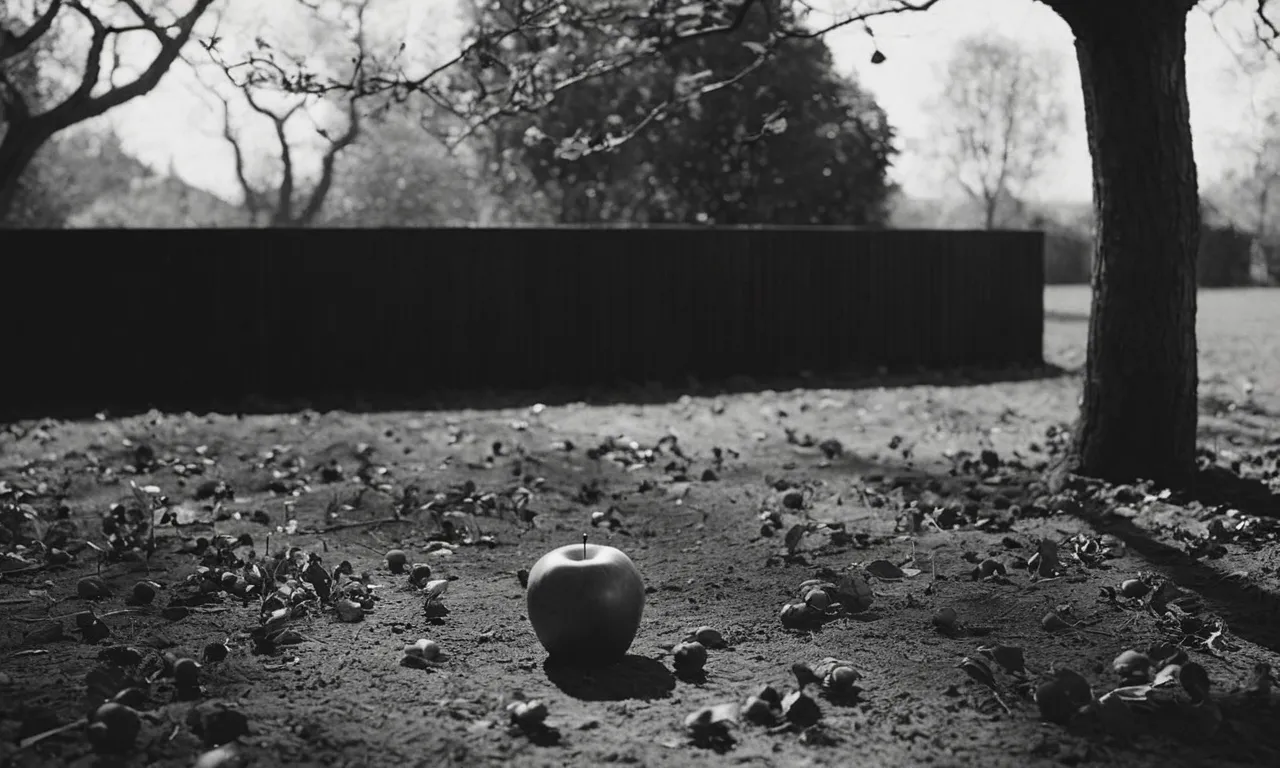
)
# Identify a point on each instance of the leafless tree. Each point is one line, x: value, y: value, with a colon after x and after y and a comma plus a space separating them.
x: 27, y: 128
x: 999, y: 115
x: 281, y: 203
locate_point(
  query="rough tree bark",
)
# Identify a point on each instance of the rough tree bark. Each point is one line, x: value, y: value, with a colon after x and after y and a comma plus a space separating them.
x: 1139, y: 411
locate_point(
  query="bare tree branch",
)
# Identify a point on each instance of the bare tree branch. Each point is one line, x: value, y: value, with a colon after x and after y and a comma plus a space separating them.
x: 82, y: 105
x: 11, y: 45
x: 283, y: 210
x: 523, y: 86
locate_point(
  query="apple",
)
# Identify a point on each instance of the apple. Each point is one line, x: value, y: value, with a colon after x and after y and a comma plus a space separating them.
x: 585, y: 601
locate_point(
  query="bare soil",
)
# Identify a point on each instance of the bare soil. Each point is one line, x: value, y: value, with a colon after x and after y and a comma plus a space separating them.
x: 926, y: 483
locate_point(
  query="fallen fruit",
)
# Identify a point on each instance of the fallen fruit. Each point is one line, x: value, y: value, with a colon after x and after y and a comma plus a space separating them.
x: 817, y: 599
x: 349, y: 610
x: 585, y: 601
x: 990, y: 567
x: 690, y: 657
x: 92, y: 588
x: 114, y: 727
x: 397, y: 559
x: 1061, y: 697
x: 841, y: 680
x: 420, y: 574
x: 797, y: 615
x: 708, y: 637
x: 186, y: 673
x: 1134, y: 588
x: 214, y: 652
x: 1132, y: 667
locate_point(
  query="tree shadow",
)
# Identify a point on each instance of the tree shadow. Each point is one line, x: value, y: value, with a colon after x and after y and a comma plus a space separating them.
x: 1251, y: 612
x: 633, y: 677
x: 623, y: 392
x: 1218, y: 486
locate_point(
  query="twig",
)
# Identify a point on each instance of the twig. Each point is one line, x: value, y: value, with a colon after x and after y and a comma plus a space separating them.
x: 362, y: 524
x: 31, y: 741
x: 32, y: 620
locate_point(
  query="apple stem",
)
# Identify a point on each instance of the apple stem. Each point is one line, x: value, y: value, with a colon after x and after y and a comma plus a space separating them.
x: 584, y: 546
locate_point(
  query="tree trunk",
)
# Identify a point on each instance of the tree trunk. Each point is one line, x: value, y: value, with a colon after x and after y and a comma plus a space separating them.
x: 16, y: 153
x: 1138, y: 417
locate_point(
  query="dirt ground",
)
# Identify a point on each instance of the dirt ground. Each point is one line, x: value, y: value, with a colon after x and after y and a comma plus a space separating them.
x: 934, y: 496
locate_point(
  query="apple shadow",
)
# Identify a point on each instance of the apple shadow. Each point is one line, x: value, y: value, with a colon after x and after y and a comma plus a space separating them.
x: 632, y: 677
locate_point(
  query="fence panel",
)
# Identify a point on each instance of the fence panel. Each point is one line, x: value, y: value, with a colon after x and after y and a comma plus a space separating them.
x: 191, y: 316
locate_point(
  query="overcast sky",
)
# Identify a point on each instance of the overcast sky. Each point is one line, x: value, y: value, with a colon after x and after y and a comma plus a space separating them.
x: 174, y: 125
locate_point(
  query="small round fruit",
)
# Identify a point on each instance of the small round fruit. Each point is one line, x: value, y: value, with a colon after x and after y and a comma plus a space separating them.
x: 817, y: 599
x: 92, y: 588
x: 1132, y: 666
x: 945, y: 618
x: 420, y: 574
x: 842, y: 678
x: 796, y: 614
x: 1134, y: 588
x: 215, y: 652
x: 186, y: 673
x: 991, y: 567
x: 585, y: 602
x: 117, y: 727
x: 396, y: 560
x: 709, y: 637
x: 690, y: 657
x: 349, y: 610
x: 143, y: 593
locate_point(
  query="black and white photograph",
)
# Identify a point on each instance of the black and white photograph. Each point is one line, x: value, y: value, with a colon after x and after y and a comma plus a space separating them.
x: 665, y: 383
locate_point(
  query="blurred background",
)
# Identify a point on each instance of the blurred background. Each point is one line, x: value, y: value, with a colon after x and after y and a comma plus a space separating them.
x: 968, y: 116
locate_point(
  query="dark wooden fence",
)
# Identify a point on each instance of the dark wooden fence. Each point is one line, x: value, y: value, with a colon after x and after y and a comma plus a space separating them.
x: 138, y: 317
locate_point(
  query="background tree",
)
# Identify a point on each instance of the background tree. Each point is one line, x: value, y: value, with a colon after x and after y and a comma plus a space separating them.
x: 999, y: 115
x: 29, y: 120
x: 1250, y: 191
x: 400, y: 175
x: 272, y: 195
x: 790, y: 143
x: 1139, y: 408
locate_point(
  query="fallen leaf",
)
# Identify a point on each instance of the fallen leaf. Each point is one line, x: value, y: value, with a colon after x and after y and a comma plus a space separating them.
x: 883, y: 569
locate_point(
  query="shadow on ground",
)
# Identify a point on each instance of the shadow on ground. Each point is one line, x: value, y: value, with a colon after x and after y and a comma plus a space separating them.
x: 1251, y: 612
x: 622, y: 393
x: 634, y: 677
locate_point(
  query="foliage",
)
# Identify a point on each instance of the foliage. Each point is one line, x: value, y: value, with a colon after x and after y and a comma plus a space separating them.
x: 159, y: 202
x: 401, y: 176
x: 790, y: 143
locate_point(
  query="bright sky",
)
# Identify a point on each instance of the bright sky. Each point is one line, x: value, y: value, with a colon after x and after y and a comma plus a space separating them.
x: 174, y: 124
